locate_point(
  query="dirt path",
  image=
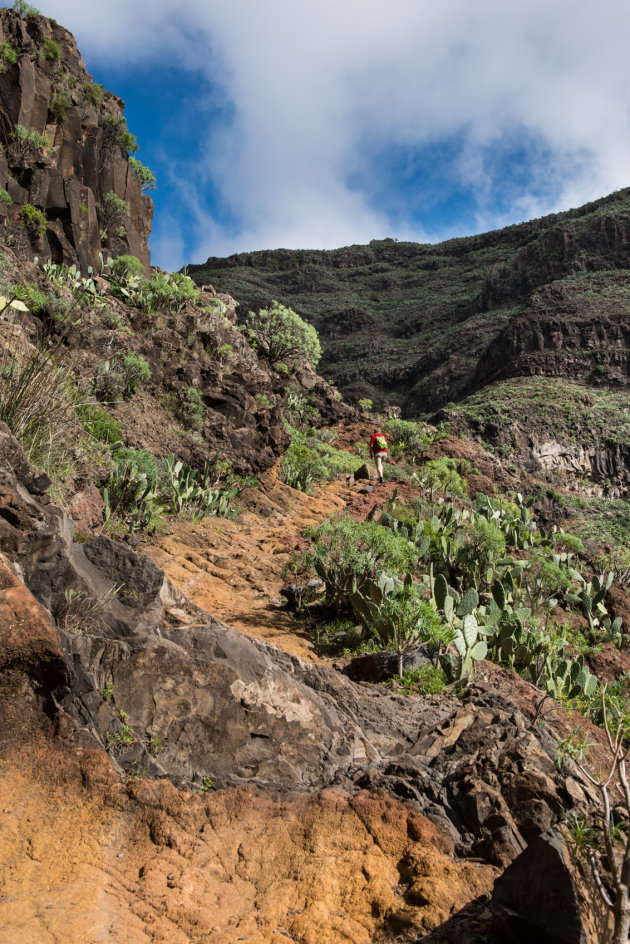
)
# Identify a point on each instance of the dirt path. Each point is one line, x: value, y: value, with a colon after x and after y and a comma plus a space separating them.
x: 233, y: 569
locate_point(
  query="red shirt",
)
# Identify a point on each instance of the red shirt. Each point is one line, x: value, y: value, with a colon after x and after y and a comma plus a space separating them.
x: 373, y: 449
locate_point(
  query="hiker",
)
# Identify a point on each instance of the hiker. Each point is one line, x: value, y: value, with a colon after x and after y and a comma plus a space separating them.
x: 378, y: 449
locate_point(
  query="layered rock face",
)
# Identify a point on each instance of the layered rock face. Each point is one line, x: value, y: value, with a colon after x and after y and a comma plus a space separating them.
x: 45, y: 88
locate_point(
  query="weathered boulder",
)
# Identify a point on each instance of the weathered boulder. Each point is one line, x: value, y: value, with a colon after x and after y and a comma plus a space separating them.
x: 545, y: 898
x: 366, y: 472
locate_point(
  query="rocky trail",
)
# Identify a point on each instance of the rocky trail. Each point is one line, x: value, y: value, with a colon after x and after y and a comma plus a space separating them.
x: 86, y: 857
x: 233, y: 569
x: 280, y: 798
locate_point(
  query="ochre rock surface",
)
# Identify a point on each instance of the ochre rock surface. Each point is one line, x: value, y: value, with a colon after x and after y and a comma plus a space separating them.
x: 85, y: 858
x: 234, y: 570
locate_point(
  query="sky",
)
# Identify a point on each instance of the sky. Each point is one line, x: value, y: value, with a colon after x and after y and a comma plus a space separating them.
x: 310, y: 124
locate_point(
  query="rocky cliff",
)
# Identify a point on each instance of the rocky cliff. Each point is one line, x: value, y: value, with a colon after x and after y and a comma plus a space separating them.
x: 46, y: 91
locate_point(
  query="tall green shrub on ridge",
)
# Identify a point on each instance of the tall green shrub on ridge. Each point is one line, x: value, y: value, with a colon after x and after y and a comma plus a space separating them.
x: 282, y: 337
x: 147, y: 177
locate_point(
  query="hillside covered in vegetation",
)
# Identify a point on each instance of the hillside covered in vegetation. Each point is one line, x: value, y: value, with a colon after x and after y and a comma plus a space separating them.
x: 423, y: 325
x: 246, y: 690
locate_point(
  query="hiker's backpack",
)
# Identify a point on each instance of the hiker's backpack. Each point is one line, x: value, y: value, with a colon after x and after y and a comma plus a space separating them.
x: 381, y: 444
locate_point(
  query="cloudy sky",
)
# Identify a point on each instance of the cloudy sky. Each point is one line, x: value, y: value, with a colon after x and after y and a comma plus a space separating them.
x: 320, y: 123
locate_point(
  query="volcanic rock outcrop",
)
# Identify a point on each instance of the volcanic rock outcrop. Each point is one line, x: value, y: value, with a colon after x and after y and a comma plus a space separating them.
x: 45, y: 88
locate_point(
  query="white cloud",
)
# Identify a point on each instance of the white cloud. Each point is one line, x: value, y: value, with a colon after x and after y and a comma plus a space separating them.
x: 318, y: 86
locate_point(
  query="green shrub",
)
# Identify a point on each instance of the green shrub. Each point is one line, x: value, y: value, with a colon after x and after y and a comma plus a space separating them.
x: 564, y: 540
x: 94, y: 93
x: 346, y: 553
x: 37, y: 402
x: 99, y: 424
x: 24, y: 9
x: 301, y: 468
x: 116, y: 132
x: 112, y: 212
x: 147, y: 177
x: 484, y: 543
x: 29, y: 144
x: 544, y: 580
x: 8, y: 56
x: 126, y: 266
x: 135, y: 371
x: 60, y: 103
x: 301, y: 409
x: 190, y: 409
x: 406, y: 437
x: 128, y: 141
x: 113, y: 320
x: 440, y: 475
x: 108, y: 384
x: 282, y: 336
x: 162, y: 290
x: 310, y: 459
x: 404, y: 619
x: 263, y: 401
x: 120, y: 378
x: 50, y: 50
x: 616, y: 560
x: 427, y: 679
x: 33, y: 219
x: 365, y: 404
x: 5, y: 198
x: 37, y: 301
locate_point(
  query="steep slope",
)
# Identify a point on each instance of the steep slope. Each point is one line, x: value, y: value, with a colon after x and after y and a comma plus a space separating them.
x: 343, y: 812
x: 423, y: 325
x: 182, y: 758
x: 72, y: 153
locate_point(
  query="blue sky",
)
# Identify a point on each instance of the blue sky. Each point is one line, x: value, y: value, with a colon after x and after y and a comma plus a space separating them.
x: 320, y: 123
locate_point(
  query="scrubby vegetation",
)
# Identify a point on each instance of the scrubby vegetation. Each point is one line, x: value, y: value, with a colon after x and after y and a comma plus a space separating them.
x: 310, y: 459
x: 50, y: 399
x: 468, y: 581
x: 566, y: 412
x: 283, y: 337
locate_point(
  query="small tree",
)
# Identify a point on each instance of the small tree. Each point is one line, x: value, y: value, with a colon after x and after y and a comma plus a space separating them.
x: 282, y: 337
x: 33, y: 219
x: 403, y: 620
x: 112, y: 212
x: 29, y: 144
x: 618, y: 899
x: 147, y: 177
x: 23, y: 8
x: 8, y: 56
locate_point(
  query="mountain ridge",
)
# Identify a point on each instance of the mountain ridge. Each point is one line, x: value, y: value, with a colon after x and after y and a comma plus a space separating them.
x: 398, y: 309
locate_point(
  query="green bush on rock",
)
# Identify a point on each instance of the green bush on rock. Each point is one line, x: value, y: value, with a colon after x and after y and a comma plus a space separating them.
x: 282, y: 337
